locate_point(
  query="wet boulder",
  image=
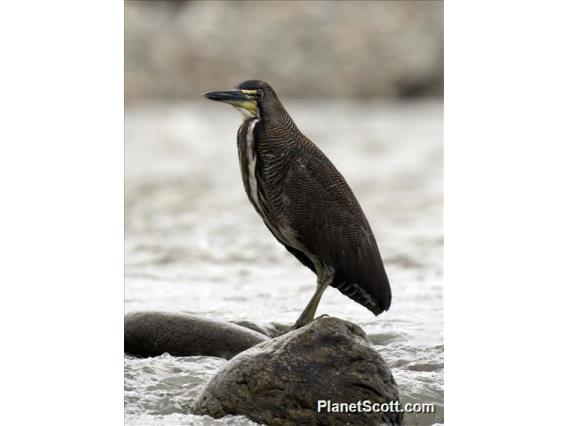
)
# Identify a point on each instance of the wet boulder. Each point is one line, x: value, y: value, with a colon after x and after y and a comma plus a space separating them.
x: 302, y: 377
x: 181, y: 334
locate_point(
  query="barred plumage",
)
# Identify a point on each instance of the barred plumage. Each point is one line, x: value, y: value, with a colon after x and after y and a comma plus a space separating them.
x: 305, y: 202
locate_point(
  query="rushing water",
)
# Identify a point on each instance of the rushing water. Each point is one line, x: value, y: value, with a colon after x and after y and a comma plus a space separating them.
x: 193, y: 242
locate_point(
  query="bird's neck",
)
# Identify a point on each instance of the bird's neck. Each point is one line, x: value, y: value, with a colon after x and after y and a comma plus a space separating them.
x: 275, y: 126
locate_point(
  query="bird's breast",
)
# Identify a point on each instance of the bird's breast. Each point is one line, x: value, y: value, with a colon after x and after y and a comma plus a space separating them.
x: 250, y: 165
x: 262, y: 185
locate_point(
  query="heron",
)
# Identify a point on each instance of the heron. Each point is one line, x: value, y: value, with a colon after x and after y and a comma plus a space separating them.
x: 305, y: 202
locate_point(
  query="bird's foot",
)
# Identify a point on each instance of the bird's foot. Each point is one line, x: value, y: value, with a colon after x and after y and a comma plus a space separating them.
x: 299, y: 324
x: 302, y: 322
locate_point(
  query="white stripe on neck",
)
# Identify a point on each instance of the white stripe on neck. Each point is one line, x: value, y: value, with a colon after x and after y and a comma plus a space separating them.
x: 251, y: 156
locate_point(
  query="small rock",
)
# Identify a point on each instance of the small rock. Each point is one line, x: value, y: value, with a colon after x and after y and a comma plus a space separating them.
x: 280, y: 381
x: 180, y: 334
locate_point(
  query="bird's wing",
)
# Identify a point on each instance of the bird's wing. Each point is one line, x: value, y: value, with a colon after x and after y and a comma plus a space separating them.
x: 331, y: 225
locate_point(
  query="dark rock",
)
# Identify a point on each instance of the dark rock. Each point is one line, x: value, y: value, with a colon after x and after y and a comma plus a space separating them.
x: 180, y: 334
x: 280, y: 381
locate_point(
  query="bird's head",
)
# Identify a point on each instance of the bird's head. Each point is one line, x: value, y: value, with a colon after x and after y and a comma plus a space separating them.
x: 254, y: 98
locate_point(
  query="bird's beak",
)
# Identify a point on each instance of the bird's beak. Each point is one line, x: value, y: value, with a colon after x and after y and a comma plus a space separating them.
x: 228, y: 96
x: 234, y: 97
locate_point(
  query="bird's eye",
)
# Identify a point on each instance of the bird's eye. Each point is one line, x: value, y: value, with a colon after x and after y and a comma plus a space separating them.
x: 253, y: 93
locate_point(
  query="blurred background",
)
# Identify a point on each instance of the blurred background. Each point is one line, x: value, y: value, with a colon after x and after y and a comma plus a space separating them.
x: 178, y: 49
x: 364, y: 81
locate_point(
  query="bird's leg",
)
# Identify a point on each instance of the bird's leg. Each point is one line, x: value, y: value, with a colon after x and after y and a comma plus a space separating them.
x: 310, y: 311
x: 324, y: 279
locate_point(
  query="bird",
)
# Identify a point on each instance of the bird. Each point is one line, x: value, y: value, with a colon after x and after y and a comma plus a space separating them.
x: 304, y: 201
